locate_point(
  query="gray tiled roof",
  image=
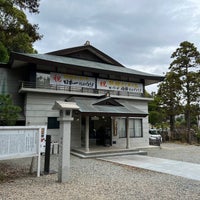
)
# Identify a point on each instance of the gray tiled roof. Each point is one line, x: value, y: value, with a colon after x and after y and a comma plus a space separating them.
x: 88, y: 105
x: 86, y: 65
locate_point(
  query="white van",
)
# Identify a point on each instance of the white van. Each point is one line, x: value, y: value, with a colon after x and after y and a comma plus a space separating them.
x: 154, y: 136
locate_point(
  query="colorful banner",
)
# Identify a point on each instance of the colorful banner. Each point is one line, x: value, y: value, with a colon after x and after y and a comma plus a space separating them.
x: 105, y: 84
x: 89, y: 82
x: 72, y: 80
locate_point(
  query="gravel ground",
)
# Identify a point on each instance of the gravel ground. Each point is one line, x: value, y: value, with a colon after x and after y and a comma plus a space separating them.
x: 180, y: 152
x: 99, y: 180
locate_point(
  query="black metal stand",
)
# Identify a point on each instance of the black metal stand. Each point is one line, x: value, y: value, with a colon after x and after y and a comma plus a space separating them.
x: 47, y: 154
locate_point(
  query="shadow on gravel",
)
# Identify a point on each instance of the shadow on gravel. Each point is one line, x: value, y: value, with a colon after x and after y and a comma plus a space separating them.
x: 9, y: 173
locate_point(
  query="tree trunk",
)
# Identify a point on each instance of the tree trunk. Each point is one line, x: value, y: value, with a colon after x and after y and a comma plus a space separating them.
x: 188, y: 122
x: 188, y: 109
x: 172, y: 126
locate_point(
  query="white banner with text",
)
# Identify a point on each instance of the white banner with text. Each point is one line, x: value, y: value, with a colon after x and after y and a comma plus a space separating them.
x: 105, y: 84
x: 72, y: 80
x: 95, y: 83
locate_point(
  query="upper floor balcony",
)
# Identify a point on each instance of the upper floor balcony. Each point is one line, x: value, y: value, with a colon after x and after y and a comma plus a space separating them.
x: 75, y: 90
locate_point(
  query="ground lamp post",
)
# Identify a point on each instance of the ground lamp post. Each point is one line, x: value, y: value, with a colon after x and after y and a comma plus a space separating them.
x: 65, y: 119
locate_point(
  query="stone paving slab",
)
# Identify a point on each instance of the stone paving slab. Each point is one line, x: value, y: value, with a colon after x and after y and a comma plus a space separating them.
x: 178, y: 168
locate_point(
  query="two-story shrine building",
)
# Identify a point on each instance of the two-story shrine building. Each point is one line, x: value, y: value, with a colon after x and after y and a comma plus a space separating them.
x: 113, y: 110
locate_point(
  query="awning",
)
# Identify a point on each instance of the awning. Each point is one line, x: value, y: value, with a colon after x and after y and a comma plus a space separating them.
x: 107, y: 106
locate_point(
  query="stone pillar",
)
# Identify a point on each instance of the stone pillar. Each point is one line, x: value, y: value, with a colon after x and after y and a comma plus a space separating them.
x: 127, y: 134
x: 64, y: 148
x: 87, y: 134
x: 65, y: 109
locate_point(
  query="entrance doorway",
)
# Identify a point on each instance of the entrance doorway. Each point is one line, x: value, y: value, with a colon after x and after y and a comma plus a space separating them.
x: 100, y: 131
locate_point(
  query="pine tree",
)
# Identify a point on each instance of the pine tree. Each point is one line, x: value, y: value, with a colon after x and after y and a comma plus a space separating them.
x: 169, y: 94
x: 185, y: 64
x: 8, y: 111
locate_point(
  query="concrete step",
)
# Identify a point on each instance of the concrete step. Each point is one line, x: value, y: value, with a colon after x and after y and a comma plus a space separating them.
x: 99, y: 154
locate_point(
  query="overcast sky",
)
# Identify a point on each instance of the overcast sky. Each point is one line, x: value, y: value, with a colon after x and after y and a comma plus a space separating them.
x: 140, y: 34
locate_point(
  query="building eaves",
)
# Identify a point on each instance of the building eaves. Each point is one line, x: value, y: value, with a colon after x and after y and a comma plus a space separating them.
x: 85, y: 65
x: 87, y: 105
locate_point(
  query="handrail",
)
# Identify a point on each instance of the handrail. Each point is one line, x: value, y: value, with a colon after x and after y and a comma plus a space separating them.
x: 34, y: 85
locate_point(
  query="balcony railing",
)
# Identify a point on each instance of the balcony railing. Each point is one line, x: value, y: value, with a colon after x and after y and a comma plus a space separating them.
x: 64, y: 88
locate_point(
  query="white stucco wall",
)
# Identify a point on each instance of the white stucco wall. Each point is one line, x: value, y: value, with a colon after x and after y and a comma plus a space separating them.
x: 38, y: 107
x: 134, y: 142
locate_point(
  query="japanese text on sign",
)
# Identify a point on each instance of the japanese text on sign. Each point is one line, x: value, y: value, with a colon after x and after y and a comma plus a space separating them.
x: 105, y: 84
x: 72, y: 80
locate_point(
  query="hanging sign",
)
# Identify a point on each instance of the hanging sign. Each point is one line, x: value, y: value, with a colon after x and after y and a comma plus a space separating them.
x: 72, y: 80
x: 105, y: 84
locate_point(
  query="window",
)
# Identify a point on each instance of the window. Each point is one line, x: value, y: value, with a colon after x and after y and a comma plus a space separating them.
x: 53, y: 123
x: 135, y: 127
x: 121, y: 127
x: 42, y: 79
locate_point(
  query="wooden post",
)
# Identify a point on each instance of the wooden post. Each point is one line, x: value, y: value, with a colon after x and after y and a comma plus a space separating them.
x: 87, y: 134
x: 127, y: 134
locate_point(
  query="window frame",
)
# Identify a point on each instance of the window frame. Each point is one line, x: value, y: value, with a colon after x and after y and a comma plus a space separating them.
x: 125, y: 127
x: 134, y: 131
x: 54, y: 124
